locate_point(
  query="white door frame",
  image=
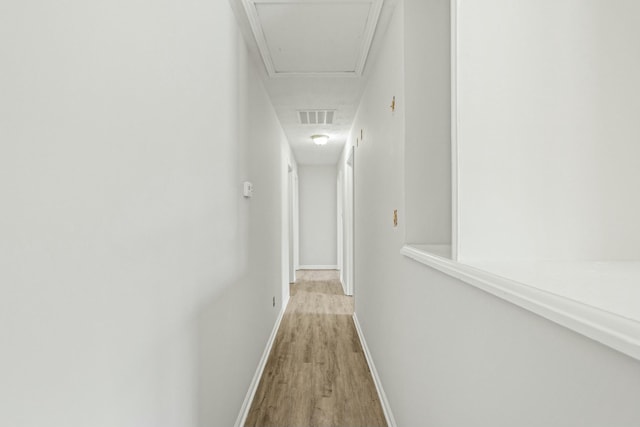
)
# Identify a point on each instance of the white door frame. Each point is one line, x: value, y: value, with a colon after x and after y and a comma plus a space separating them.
x: 349, y: 225
x: 292, y: 207
x: 340, y: 229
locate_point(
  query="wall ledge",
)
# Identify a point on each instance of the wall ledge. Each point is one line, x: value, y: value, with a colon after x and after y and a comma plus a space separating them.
x: 614, y: 331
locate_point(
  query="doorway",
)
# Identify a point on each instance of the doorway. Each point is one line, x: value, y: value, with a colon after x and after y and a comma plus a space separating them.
x: 348, y: 226
x: 292, y: 180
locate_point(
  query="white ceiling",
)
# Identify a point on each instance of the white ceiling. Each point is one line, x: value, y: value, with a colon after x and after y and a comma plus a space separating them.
x: 314, y: 55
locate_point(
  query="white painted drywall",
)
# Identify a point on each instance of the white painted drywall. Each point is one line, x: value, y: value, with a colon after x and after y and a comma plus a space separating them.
x: 549, y: 158
x: 427, y: 115
x: 318, y: 211
x: 135, y: 280
x: 449, y: 354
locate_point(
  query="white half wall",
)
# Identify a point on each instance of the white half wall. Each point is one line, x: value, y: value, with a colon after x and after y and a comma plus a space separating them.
x: 136, y: 282
x: 448, y: 354
x: 318, y: 215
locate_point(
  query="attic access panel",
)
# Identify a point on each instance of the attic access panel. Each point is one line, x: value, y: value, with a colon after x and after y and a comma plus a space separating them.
x: 317, y: 37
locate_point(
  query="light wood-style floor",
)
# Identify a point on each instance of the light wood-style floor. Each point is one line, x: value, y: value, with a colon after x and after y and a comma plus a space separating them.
x: 316, y: 374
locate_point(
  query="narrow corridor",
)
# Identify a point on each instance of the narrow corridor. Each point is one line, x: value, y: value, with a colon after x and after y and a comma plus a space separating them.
x: 317, y: 374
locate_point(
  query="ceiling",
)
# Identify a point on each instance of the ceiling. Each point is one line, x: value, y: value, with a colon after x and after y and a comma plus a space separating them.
x: 314, y: 55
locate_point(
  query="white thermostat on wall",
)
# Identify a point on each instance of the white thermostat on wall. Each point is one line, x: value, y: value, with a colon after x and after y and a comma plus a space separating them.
x: 248, y: 189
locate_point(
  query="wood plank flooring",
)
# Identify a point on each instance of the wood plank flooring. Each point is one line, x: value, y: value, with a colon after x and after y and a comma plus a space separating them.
x: 316, y: 374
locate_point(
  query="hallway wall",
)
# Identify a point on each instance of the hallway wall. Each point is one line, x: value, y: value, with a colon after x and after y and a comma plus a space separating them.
x: 550, y: 163
x: 427, y: 127
x: 136, y: 282
x: 318, y: 217
x: 449, y: 354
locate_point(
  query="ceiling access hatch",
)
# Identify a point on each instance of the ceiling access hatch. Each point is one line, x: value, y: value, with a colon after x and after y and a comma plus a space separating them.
x: 314, y: 37
x: 316, y: 117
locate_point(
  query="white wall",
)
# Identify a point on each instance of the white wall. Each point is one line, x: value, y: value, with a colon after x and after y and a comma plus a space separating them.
x: 548, y: 152
x: 135, y: 280
x: 449, y: 354
x: 427, y: 115
x: 318, y: 208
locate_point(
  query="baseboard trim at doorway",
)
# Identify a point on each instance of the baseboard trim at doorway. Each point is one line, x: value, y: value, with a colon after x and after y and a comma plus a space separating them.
x: 386, y: 408
x: 253, y: 387
x: 318, y: 267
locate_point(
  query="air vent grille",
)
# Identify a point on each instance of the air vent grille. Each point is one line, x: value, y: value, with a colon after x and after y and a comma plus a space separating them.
x: 316, y: 117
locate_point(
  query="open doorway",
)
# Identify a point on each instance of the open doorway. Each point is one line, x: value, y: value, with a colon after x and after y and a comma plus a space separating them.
x: 292, y: 180
x: 348, y: 227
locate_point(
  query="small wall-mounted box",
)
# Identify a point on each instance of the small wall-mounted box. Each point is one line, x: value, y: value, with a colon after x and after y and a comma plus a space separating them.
x: 247, y: 189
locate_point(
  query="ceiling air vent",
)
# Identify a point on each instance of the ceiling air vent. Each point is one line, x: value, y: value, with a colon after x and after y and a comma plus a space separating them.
x: 316, y: 117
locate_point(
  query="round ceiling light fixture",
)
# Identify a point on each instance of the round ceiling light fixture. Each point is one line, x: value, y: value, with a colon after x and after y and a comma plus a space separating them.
x: 320, y: 139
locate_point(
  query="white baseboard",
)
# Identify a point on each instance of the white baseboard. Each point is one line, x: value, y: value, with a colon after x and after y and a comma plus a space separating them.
x: 318, y: 267
x: 253, y: 387
x: 391, y: 422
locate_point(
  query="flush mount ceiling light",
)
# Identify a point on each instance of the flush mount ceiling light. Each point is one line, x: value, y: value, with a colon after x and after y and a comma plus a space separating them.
x: 320, y: 139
